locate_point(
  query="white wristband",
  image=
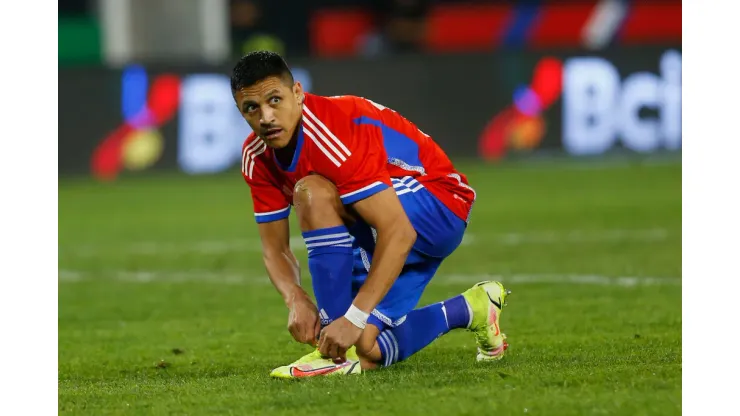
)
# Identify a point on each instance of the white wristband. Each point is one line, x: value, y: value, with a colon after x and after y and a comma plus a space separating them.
x: 357, y: 317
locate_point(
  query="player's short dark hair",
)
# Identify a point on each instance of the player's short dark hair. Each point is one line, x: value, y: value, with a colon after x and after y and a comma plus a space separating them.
x: 256, y: 66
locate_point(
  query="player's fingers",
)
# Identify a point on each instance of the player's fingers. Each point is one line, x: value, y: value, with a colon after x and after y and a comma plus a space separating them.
x: 297, y: 330
x: 323, y: 345
x: 303, y: 336
x: 299, y: 333
x: 299, y: 336
x: 294, y: 332
x: 334, y: 351
x: 307, y: 335
x: 341, y: 355
x: 316, y: 332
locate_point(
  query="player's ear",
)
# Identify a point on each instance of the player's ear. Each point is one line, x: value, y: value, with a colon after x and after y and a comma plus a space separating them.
x: 298, y: 91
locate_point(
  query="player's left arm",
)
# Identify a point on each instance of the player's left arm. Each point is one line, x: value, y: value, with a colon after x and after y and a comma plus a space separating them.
x: 365, y: 185
x: 395, y: 237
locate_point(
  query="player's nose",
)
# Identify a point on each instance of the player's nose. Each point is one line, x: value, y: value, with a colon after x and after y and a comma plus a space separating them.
x: 268, y: 116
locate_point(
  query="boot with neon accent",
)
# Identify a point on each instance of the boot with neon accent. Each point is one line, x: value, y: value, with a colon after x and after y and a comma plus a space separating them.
x: 487, y: 300
x: 313, y: 365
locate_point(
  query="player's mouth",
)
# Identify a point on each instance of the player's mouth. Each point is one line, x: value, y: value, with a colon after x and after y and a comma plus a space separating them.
x: 272, y: 133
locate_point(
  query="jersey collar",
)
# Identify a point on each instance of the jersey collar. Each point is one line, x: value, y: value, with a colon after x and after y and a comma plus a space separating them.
x: 296, y: 154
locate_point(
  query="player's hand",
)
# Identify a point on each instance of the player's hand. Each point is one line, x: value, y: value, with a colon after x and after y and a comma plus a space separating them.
x: 337, y: 337
x: 303, y: 320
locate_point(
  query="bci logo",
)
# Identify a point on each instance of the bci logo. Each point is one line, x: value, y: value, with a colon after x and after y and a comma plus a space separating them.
x: 643, y: 111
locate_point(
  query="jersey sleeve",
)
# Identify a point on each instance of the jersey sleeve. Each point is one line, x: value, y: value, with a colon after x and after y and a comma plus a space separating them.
x: 351, y: 157
x: 364, y: 174
x: 269, y: 202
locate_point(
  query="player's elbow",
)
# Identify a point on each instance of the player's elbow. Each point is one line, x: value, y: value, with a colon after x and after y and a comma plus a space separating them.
x: 398, y: 233
x: 405, y: 235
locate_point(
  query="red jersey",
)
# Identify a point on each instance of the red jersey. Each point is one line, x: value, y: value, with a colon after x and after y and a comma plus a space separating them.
x: 361, y: 147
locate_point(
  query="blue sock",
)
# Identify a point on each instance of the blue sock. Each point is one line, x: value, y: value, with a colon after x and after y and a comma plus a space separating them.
x: 330, y: 263
x: 421, y: 327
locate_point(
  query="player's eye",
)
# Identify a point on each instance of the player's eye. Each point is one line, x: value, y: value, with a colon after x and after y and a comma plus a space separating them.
x: 251, y: 108
x: 274, y: 100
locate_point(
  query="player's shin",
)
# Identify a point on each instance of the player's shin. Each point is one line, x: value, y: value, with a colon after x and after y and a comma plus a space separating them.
x: 330, y: 263
x: 421, y: 328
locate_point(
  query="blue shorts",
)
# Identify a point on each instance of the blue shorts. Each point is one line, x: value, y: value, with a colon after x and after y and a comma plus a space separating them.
x: 439, y: 233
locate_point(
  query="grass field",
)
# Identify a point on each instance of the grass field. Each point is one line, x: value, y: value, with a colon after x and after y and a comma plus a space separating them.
x: 165, y: 308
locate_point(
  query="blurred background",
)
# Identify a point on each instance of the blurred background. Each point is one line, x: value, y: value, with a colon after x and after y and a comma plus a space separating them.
x: 144, y: 83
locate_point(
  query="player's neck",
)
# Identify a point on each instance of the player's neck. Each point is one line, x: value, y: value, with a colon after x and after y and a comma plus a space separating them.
x: 285, y: 154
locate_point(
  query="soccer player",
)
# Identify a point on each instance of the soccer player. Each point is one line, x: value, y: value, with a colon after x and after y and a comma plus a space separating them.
x: 380, y: 206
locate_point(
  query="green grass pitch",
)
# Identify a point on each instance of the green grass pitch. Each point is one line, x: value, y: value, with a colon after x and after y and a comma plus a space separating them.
x: 165, y: 307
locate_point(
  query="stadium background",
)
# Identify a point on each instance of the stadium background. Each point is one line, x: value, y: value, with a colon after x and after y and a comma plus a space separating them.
x: 565, y: 114
x: 509, y: 59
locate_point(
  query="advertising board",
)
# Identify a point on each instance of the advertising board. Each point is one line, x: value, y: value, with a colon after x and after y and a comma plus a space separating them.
x: 489, y: 106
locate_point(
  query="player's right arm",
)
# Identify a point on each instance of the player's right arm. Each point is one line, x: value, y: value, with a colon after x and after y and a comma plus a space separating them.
x: 285, y: 273
x: 282, y: 266
x: 271, y: 211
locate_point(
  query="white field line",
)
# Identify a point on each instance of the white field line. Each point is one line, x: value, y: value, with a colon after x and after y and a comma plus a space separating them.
x: 443, y: 279
x: 503, y: 239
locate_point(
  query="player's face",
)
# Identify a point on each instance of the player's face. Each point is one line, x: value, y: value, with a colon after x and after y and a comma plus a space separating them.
x: 272, y: 108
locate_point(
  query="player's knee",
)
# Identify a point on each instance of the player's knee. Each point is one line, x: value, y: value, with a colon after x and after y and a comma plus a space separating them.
x: 315, y: 191
x: 314, y: 196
